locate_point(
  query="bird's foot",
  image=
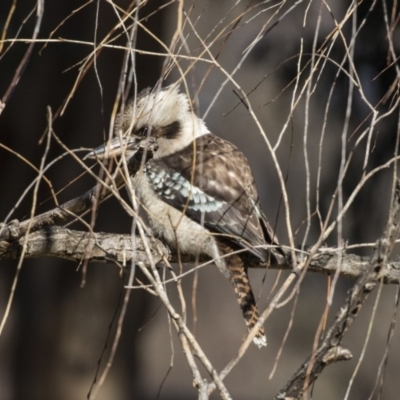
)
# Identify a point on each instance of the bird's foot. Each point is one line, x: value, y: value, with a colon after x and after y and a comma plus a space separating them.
x: 260, y: 341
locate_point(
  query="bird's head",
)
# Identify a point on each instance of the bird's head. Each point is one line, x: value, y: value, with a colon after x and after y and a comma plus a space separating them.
x: 163, y: 115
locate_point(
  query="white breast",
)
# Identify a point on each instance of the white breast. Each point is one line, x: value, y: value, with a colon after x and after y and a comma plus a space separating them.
x: 173, y: 227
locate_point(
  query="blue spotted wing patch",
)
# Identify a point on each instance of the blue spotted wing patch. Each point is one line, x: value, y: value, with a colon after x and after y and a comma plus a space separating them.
x: 176, y: 189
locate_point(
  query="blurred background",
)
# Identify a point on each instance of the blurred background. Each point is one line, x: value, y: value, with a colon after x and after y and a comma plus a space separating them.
x: 56, y: 331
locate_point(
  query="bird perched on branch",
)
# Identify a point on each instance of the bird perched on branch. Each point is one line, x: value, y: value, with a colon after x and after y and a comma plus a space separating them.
x: 197, y: 190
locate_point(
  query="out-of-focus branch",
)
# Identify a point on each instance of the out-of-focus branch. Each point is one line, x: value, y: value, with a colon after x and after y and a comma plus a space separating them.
x: 329, y: 349
x: 25, y: 59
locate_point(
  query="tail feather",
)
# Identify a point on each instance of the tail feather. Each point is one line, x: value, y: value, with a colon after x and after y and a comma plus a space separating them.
x: 245, y: 296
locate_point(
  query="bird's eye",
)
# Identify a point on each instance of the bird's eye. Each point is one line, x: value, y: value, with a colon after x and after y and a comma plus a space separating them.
x: 143, y: 131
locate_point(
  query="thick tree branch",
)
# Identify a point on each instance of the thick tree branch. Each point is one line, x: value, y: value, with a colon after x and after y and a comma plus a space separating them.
x: 77, y: 246
x: 109, y: 247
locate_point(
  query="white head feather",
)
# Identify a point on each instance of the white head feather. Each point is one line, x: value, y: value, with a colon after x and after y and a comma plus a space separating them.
x: 159, y: 109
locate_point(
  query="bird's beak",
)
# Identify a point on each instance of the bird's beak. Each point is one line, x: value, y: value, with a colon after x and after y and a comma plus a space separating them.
x: 115, y: 147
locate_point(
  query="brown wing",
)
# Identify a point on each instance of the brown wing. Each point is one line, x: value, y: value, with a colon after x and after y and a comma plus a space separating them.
x: 212, y: 182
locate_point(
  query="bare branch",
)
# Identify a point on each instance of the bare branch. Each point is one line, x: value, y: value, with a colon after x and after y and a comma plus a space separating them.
x: 330, y: 343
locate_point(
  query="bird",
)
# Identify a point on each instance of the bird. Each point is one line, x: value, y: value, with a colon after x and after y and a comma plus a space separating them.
x: 197, y: 190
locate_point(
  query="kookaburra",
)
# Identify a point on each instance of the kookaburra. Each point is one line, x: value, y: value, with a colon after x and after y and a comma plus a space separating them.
x: 197, y: 190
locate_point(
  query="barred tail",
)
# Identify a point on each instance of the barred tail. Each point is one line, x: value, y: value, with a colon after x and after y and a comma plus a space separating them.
x: 245, y: 296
